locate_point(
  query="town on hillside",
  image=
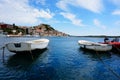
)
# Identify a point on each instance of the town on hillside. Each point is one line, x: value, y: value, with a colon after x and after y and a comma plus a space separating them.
x: 41, y: 30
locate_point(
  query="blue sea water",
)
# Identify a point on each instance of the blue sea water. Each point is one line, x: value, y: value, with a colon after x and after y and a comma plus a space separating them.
x: 62, y: 60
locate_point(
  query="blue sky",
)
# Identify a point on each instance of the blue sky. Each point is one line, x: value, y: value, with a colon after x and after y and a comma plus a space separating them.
x: 74, y: 17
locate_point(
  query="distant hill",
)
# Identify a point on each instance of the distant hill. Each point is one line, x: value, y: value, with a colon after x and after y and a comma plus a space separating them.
x: 42, y: 30
x: 47, y: 30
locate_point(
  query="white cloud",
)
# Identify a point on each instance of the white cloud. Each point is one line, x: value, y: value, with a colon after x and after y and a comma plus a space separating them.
x: 116, y: 12
x: 116, y: 2
x: 46, y: 14
x: 72, y: 18
x: 95, y: 6
x: 63, y: 4
x: 98, y: 24
x: 43, y: 2
x: 20, y: 12
x: 117, y: 23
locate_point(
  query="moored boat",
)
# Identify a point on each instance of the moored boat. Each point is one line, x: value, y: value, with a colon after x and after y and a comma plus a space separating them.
x: 13, y: 35
x: 115, y: 46
x: 94, y: 46
x: 27, y: 45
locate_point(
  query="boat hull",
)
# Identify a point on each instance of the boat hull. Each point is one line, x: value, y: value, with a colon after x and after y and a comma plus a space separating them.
x: 28, y: 45
x: 115, y: 46
x: 94, y: 46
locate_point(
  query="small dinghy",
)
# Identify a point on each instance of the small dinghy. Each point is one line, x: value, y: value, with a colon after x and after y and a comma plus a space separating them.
x: 94, y: 46
x: 27, y: 45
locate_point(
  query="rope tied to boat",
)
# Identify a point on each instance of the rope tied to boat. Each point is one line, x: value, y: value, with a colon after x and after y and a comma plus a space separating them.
x: 109, y: 68
x: 29, y: 45
x: 3, y: 48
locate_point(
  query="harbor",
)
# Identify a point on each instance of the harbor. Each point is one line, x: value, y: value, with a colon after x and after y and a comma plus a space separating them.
x: 59, y: 39
x: 61, y: 60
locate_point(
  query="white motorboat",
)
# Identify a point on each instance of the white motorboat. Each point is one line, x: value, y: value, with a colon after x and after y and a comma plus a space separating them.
x: 94, y: 46
x: 27, y: 45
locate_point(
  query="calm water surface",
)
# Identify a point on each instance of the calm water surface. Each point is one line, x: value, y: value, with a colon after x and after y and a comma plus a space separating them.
x: 62, y: 60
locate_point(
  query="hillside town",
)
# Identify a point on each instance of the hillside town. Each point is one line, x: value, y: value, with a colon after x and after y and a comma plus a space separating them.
x: 41, y: 30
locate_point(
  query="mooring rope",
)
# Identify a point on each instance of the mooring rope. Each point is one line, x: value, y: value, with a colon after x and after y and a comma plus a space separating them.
x: 31, y: 55
x: 29, y: 45
x: 3, y: 48
x: 109, y: 68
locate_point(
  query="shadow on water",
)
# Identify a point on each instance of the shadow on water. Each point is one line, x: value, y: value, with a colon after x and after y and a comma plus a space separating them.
x: 94, y: 55
x: 116, y: 51
x: 24, y: 59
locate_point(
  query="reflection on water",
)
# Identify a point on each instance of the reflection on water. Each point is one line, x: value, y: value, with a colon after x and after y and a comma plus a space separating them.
x: 105, y: 58
x: 25, y: 59
x: 94, y: 55
x: 24, y: 67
